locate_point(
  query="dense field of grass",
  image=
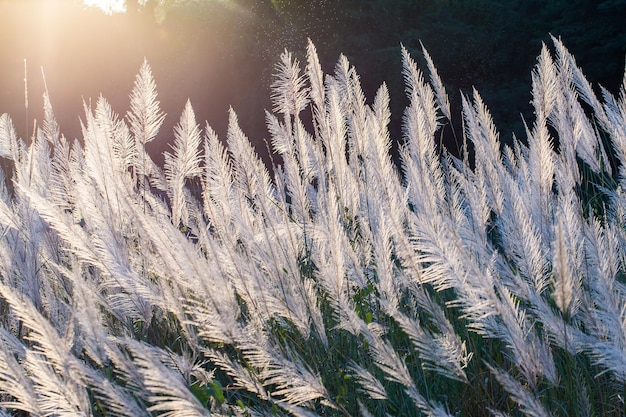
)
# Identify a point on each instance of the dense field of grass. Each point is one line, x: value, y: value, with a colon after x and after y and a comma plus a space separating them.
x: 339, y: 284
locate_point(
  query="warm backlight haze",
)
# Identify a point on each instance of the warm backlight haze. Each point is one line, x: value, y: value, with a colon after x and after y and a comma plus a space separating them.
x: 85, y: 52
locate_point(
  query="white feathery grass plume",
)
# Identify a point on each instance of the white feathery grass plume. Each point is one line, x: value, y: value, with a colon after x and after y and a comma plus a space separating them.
x: 491, y: 313
x: 309, y: 156
x: 369, y: 384
x: 545, y: 85
x: 436, y: 319
x: 568, y: 255
x: 354, y: 102
x: 588, y: 144
x: 190, y: 282
x: 529, y: 403
x: 243, y: 377
x: 440, y: 251
x: 184, y: 163
x: 320, y: 119
x: 584, y: 90
x: 163, y: 254
x: 56, y: 394
x: 309, y: 310
x: 387, y: 359
x: 188, y: 364
x: 77, y: 156
x: 521, y: 240
x: 337, y: 272
x: 329, y: 128
x: 61, y: 185
x: 281, y: 286
x: 384, y: 196
x: 378, y: 147
x: 128, y: 294
x: 606, y: 321
x: 100, y: 163
x: 282, y: 370
x: 10, y: 145
x: 5, y: 196
x: 541, y: 155
x: 566, y: 177
x: 45, y: 338
x: 382, y: 248
x: 616, y: 113
x: 14, y: 380
x: 117, y: 401
x: 340, y: 80
x: 429, y: 408
x: 420, y: 161
x: 443, y: 353
x: 168, y: 393
x: 251, y: 180
x: 529, y: 351
x: 211, y: 302
x: 217, y: 188
x: 316, y: 79
x: 294, y: 383
x: 576, y: 135
x: 112, y: 398
x: 73, y: 235
x: 435, y: 81
x: 565, y: 288
x: 480, y: 129
x: 296, y: 168
x: 421, y: 97
x: 105, y: 123
x: 289, y: 92
x: 541, y: 168
x: 24, y: 239
x: 119, y: 147
x: 50, y: 126
x: 327, y: 134
x: 212, y: 309
x: 145, y: 118
x: 258, y: 213
x: 334, y: 141
x: 124, y: 146
x: 384, y: 201
x: 494, y: 312
x: 286, y: 293
x: 125, y: 369
x: 86, y: 307
x: 109, y: 138
x: 469, y: 209
x: 101, y: 247
x: 57, y: 375
x: 34, y: 169
x: 566, y: 335
x: 364, y: 411
x: 278, y: 274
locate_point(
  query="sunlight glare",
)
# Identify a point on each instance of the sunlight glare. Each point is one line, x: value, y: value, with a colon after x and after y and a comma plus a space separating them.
x: 108, y: 6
